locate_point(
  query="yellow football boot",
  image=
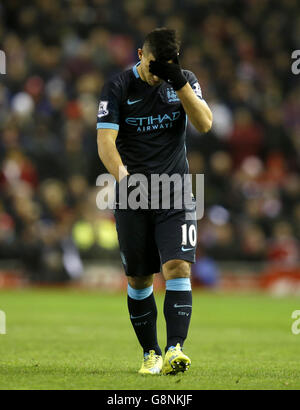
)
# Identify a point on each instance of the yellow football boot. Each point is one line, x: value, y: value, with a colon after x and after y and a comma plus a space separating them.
x: 152, y: 363
x: 175, y: 361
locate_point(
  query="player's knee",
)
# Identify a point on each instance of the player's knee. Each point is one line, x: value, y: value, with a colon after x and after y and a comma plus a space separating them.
x: 176, y: 269
x: 140, y: 282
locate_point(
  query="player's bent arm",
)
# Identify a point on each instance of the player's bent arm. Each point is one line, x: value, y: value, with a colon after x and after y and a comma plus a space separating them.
x: 197, y: 110
x: 108, y: 153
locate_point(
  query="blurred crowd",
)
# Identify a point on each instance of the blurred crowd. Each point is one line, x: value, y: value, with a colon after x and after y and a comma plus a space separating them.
x: 60, y: 52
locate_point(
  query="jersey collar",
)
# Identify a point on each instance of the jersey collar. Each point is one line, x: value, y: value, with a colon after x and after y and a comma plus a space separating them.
x: 135, y: 71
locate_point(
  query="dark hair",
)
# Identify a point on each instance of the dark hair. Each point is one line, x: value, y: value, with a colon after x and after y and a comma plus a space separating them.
x: 163, y: 43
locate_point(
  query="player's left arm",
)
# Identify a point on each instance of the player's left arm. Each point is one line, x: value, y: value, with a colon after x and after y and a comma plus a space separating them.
x: 196, y: 109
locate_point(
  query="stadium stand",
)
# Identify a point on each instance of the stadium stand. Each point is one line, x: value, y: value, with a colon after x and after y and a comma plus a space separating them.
x: 59, y: 53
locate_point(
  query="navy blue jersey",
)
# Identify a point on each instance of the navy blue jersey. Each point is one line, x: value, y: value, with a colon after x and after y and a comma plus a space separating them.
x: 150, y: 120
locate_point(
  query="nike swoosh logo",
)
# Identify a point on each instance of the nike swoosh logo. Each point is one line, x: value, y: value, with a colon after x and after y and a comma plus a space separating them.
x: 186, y: 249
x: 181, y: 306
x: 137, y: 317
x: 133, y: 102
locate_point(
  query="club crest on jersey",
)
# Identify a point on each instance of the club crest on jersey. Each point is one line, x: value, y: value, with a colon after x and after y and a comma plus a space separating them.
x: 171, y: 95
x: 103, y: 111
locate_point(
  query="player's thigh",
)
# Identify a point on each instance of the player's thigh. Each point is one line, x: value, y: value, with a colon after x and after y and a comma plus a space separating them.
x: 139, y: 253
x: 176, y: 237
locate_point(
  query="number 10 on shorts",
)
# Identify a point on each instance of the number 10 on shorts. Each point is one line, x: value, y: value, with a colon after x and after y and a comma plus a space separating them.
x: 189, y: 234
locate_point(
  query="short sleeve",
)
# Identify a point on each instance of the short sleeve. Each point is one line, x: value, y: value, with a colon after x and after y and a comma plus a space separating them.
x: 194, y: 83
x: 109, y: 106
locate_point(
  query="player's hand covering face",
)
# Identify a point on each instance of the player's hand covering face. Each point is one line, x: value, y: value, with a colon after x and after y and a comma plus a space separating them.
x: 169, y: 72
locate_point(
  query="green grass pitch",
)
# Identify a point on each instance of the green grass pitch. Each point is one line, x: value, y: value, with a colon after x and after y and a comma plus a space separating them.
x: 70, y: 339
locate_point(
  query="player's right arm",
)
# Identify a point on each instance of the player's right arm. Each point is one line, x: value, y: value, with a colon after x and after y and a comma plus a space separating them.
x: 108, y: 153
x: 108, y: 127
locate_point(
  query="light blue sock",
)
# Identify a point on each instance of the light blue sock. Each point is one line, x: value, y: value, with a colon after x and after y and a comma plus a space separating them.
x: 139, y: 294
x: 179, y: 284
